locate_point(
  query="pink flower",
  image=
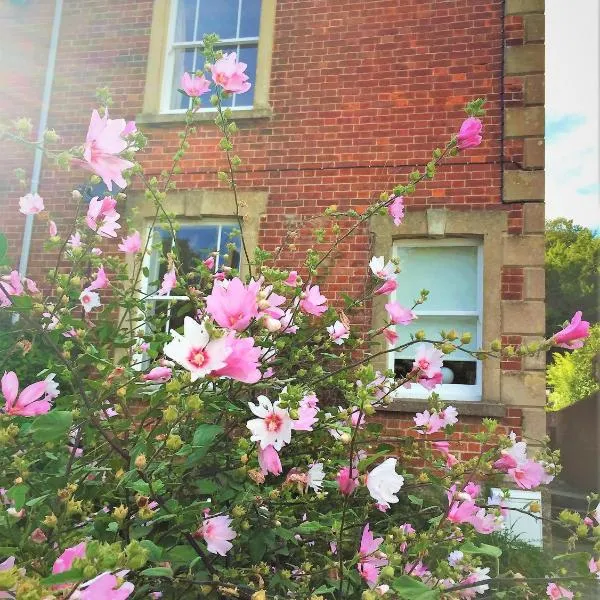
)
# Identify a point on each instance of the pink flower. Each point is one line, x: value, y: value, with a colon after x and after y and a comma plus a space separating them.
x: 338, y: 332
x: 380, y: 269
x: 233, y: 306
x: 512, y: 456
x: 479, y: 574
x: 38, y: 536
x: 528, y: 475
x: 398, y: 314
x: 573, y: 334
x: 52, y: 229
x: 89, y: 300
x: 268, y: 303
x: 268, y: 460
x: 217, y: 532
x: 65, y: 561
x: 194, y: 86
x: 292, y: 280
x: 347, y: 482
x: 307, y: 413
x: 102, y: 217
x: 104, y: 142
x: 444, y: 447
x: 158, y: 375
x: 132, y: 244
x: 472, y: 489
x: 195, y: 351
x: 96, y: 251
x: 390, y: 335
x: 396, y: 210
x: 370, y: 561
x: 100, y: 281
x: 129, y: 129
x: 313, y: 302
x: 104, y: 587
x: 31, y: 204
x: 417, y: 569
x: 556, y: 592
x: 32, y: 401
x: 430, y: 422
x: 228, y: 73
x: 469, y: 134
x: 462, y: 512
x: 428, y: 362
x: 388, y: 287
x: 485, y: 523
x: 168, y: 283
x: 75, y: 240
x: 209, y: 263
x: 287, y: 321
x: 273, y: 427
x: 594, y: 566
x: 243, y: 360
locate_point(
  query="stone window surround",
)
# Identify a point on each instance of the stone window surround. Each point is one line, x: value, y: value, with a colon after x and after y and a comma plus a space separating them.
x: 151, y: 114
x: 487, y: 226
x: 197, y: 204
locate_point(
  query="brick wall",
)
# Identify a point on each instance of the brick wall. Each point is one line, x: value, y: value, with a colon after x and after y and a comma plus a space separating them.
x: 361, y: 92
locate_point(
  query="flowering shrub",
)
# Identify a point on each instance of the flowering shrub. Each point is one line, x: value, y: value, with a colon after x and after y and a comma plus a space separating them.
x: 238, y: 456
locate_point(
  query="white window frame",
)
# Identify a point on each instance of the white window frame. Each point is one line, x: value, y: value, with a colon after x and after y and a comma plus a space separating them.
x: 454, y: 392
x: 171, y: 46
x: 152, y: 255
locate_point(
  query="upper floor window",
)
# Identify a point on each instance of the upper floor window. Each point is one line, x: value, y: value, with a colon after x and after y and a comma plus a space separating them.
x: 452, y: 271
x: 236, y: 22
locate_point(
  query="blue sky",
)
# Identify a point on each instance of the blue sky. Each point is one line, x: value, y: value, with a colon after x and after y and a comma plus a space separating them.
x: 572, y: 106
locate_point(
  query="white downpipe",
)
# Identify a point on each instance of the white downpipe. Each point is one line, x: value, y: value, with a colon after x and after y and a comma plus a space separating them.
x: 39, y: 150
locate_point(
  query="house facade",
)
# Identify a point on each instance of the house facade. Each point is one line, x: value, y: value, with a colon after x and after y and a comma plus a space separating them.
x: 348, y: 97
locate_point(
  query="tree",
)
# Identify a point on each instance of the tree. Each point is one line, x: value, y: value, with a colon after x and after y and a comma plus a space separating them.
x: 572, y: 272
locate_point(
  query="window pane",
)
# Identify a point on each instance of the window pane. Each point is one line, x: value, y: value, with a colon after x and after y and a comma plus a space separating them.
x: 448, y: 272
x: 195, y: 243
x: 184, y: 61
x: 186, y: 17
x: 250, y: 19
x: 218, y: 16
x: 432, y: 327
x: 248, y: 55
x: 227, y: 257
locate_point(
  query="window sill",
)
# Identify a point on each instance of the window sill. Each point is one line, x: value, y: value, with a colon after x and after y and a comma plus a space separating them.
x: 165, y: 119
x: 465, y: 408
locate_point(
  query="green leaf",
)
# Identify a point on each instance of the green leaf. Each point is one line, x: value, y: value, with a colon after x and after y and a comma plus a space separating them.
x: 113, y: 526
x: 415, y: 500
x: 484, y: 549
x: 324, y: 589
x: 17, y: 493
x: 70, y: 576
x: 3, y: 249
x: 310, y: 527
x: 410, y: 588
x: 35, y: 501
x: 154, y: 551
x: 51, y: 426
x: 206, y: 486
x: 205, y: 434
x: 158, y: 572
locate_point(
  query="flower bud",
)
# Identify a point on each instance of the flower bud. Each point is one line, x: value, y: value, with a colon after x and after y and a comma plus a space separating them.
x: 170, y: 414
x: 194, y: 402
x: 174, y: 442
x: 238, y: 511
x: 496, y: 345
x: 447, y: 348
x: 76, y: 195
x: 140, y: 462
x: 50, y: 521
x: 451, y: 335
x: 120, y: 513
x: 466, y: 338
x: 420, y: 335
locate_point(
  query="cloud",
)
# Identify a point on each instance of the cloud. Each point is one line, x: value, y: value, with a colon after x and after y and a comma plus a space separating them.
x: 572, y: 156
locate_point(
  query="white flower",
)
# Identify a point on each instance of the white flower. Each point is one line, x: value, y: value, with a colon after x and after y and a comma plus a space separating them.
x: 380, y: 269
x: 449, y: 415
x: 597, y: 513
x: 51, y: 386
x: 316, y: 476
x: 89, y: 300
x: 195, y: 351
x: 384, y: 483
x: 273, y: 426
x: 455, y: 557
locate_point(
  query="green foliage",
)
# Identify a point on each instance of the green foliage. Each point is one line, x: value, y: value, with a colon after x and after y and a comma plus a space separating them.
x: 572, y: 376
x: 572, y: 272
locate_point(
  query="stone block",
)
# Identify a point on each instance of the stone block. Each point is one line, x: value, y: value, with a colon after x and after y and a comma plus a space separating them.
x: 534, y: 28
x: 522, y: 186
x: 520, y: 60
x: 519, y: 7
x: 524, y: 388
x: 534, y: 153
x: 525, y: 317
x: 534, y: 214
x: 537, y: 362
x: 535, y: 90
x: 524, y: 121
x: 535, y: 283
x: 534, y: 425
x: 524, y: 250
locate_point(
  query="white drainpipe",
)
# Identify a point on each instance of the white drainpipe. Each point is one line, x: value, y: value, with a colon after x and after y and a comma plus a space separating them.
x: 39, y: 151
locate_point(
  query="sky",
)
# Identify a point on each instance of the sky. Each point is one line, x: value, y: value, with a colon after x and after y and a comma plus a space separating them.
x: 572, y: 107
